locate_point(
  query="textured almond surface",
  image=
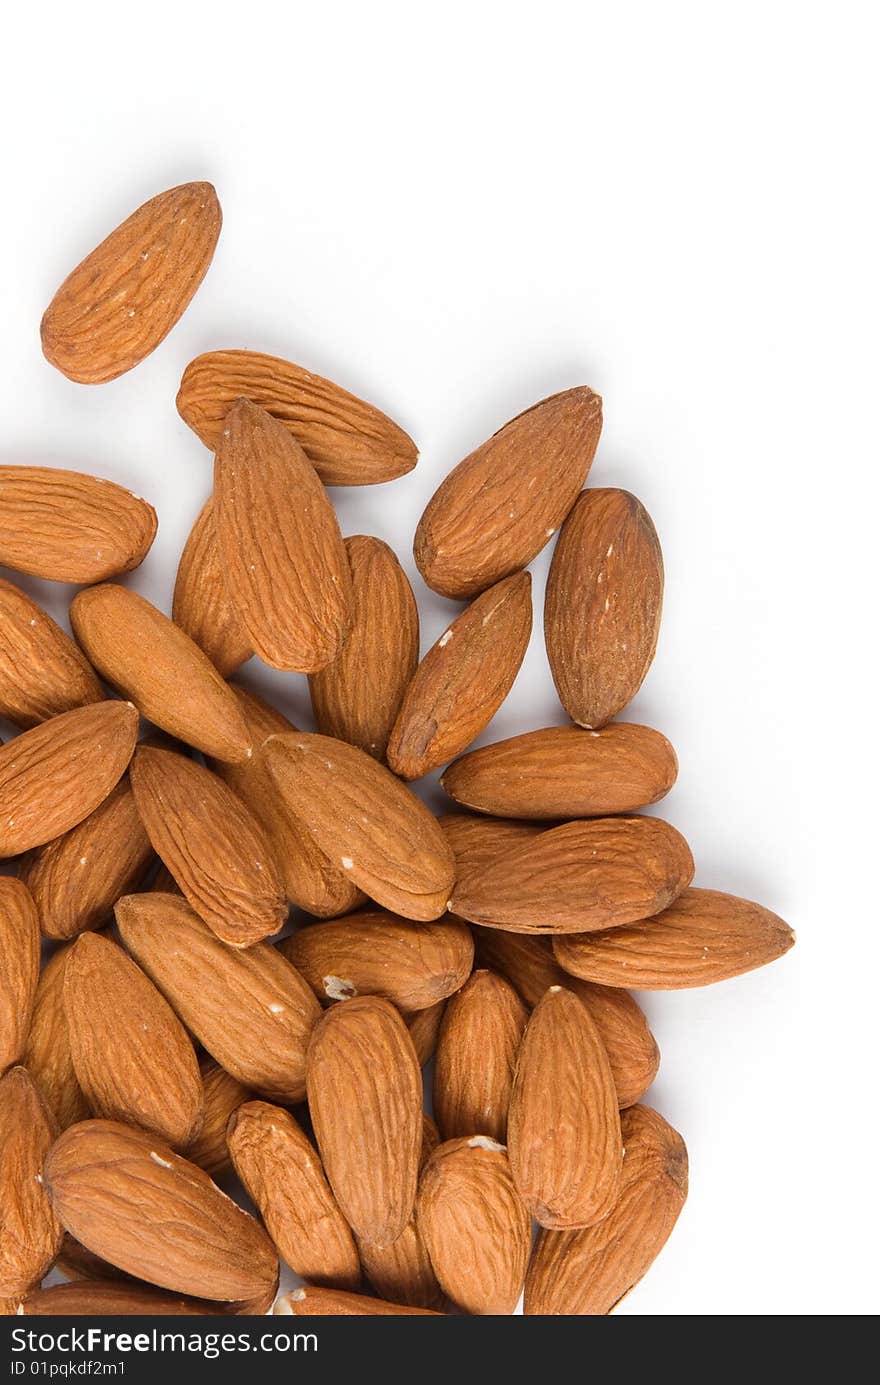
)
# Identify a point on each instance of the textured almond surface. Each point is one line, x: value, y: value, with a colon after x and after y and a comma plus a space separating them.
x: 365, y: 821
x: 563, y: 1129
x: 282, y: 553
x: 356, y: 698
x: 55, y: 775
x: 222, y: 1095
x: 19, y: 968
x: 424, y: 1030
x: 70, y: 527
x: 76, y: 1262
x: 42, y: 672
x: 249, y: 1007
x: 282, y: 1174
x: 201, y: 606
x: 334, y: 1303
x: 476, y: 1058
x: 598, y: 873
x: 111, y: 1298
x: 365, y: 1100
x: 477, y: 842
x: 704, y: 936
x: 47, y: 1054
x: 603, y: 603
x: 168, y: 678
x: 129, y: 1198
x: 402, y: 1271
x: 30, y: 1234
x: 213, y: 845
x: 588, y: 1272
x: 133, y: 1059
x: 463, y: 679
x: 565, y: 772
x: 127, y: 294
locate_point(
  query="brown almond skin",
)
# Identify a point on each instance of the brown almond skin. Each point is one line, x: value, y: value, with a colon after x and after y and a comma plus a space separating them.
x: 128, y: 1197
x: 133, y: 1059
x: 201, y: 606
x: 309, y: 1302
x: 249, y: 1007
x: 77, y: 1263
x: 357, y: 697
x: 42, y: 673
x: 497, y: 509
x: 476, y: 1058
x: 705, y: 936
x: 477, y: 842
x: 282, y: 1175
x: 19, y: 968
x: 365, y: 821
x: 475, y: 1225
x: 424, y: 1030
x: 402, y: 1272
x: 69, y: 527
x: 223, y: 1094
x: 414, y: 965
x: 30, y: 1233
x: 148, y: 659
x: 112, y: 1298
x: 592, y: 874
x: 563, y: 1128
x: 282, y: 553
x: 588, y: 1272
x: 127, y: 294
x: 564, y: 772
x: 463, y: 679
x: 603, y: 604
x: 55, y: 775
x: 365, y: 1100
x: 348, y: 442
x: 213, y: 845
x: 47, y: 1055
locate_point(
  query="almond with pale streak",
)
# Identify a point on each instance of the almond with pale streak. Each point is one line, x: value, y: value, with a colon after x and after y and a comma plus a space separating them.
x: 42, y: 673
x: 476, y: 1058
x: 19, y: 968
x: 201, y: 606
x: 30, y: 1233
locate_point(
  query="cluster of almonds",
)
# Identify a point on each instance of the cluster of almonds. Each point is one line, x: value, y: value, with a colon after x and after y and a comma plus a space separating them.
x: 142, y: 1062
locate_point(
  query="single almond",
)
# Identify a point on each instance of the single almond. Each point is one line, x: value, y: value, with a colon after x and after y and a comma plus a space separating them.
x: 476, y: 842
x: 112, y: 1298
x: 30, y: 1233
x: 401, y: 1272
x: 19, y: 968
x: 309, y: 1302
x: 463, y: 679
x: 476, y: 1058
x: 424, y: 1030
x: 47, y: 1055
x: 42, y: 673
x: 223, y: 1094
x: 202, y: 607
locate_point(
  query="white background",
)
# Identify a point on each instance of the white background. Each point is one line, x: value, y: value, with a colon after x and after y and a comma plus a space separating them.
x: 455, y: 210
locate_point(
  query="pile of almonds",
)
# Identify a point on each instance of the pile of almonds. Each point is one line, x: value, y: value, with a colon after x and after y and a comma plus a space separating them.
x: 500, y: 939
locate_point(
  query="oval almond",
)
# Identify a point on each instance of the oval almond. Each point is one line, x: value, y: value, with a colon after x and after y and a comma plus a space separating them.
x: 30, y: 1233
x: 223, y: 1094
x: 201, y: 606
x: 19, y: 968
x: 476, y: 1058
x: 47, y: 1054
x: 42, y: 673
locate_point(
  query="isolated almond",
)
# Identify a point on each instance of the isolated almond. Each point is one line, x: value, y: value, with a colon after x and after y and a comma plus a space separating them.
x: 132, y: 1057
x: 42, y: 672
x: 249, y: 1007
x: 424, y: 1030
x: 70, y: 527
x: 20, y: 968
x: 602, y: 606
x: 563, y: 1129
x: 463, y: 679
x: 129, y: 1198
x: 564, y: 772
x: 598, y: 873
x: 201, y: 605
x: 348, y: 442
x: 112, y: 1298
x: 365, y: 1100
x: 376, y: 953
x: 401, y: 1272
x: 30, y: 1234
x: 358, y: 696
x: 704, y: 936
x: 477, y: 842
x: 476, y: 1058
x: 498, y: 508
x: 211, y: 842
x: 366, y: 821
x: 47, y: 1054
x: 55, y: 775
x: 333, y: 1303
x: 127, y: 294
x: 588, y: 1272
x: 168, y: 678
x: 282, y: 554
x: 223, y: 1094
x: 282, y: 1174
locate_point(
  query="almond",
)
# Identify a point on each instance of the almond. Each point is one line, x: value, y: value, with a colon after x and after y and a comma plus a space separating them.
x: 127, y: 294
x: 704, y: 936
x: 331, y: 1303
x: 412, y: 964
x: 213, y: 845
x: 356, y: 698
x: 47, y: 1054
x: 69, y: 527
x: 477, y: 842
x: 588, y: 1272
x: 424, y: 1029
x: 111, y: 1298
x: 19, y: 968
x: 249, y: 1007
x: 282, y: 1175
x: 603, y: 603
x: 563, y: 1128
x: 365, y: 820
x: 42, y: 673
x: 168, y: 678
x: 564, y: 772
x: 201, y: 606
x: 280, y: 545
x: 132, y: 1057
x: 476, y: 1058
x: 598, y: 873
x: 30, y: 1234
x: 365, y: 1099
x: 463, y: 679
x: 402, y: 1272
x: 223, y: 1094
x: 55, y: 775
x: 75, y: 1262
